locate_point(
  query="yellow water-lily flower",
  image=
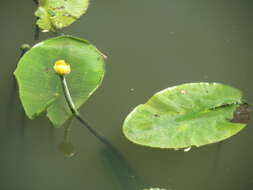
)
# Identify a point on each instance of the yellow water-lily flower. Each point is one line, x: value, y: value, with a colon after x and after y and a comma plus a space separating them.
x: 61, y: 67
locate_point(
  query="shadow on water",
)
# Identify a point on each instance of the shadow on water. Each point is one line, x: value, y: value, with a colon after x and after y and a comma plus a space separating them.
x: 213, y: 176
x: 120, y: 170
x: 114, y: 163
x: 13, y: 98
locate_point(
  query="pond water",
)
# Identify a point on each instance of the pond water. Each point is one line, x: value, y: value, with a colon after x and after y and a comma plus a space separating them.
x: 151, y: 45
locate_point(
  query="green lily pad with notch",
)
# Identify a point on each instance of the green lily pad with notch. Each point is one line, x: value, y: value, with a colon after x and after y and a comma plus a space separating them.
x: 193, y: 114
x: 40, y: 88
x: 57, y: 14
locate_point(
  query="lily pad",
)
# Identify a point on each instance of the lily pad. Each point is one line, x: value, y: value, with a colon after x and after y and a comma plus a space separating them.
x: 57, y: 14
x: 40, y: 88
x: 193, y: 114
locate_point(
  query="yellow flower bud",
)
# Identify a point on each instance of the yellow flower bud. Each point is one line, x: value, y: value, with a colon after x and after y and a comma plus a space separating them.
x: 61, y: 67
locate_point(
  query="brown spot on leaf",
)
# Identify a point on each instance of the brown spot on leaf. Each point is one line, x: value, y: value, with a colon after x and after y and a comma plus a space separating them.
x: 242, y: 114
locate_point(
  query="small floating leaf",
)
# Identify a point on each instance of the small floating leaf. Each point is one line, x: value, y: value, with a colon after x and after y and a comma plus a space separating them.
x: 57, y: 14
x: 40, y: 87
x: 193, y: 114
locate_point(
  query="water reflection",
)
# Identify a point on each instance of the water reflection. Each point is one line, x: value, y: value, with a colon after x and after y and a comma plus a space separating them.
x: 113, y: 162
x: 66, y: 147
x: 120, y: 170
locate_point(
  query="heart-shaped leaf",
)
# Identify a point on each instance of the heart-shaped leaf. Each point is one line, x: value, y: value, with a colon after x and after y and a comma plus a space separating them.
x: 40, y: 88
x: 187, y: 115
x: 57, y: 14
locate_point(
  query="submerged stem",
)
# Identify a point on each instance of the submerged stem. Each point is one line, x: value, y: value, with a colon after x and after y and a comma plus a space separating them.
x: 77, y: 115
x: 67, y: 130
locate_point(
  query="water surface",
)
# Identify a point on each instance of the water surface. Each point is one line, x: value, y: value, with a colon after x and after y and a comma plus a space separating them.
x: 151, y: 45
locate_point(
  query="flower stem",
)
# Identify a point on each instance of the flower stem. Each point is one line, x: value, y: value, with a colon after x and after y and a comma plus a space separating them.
x: 77, y: 115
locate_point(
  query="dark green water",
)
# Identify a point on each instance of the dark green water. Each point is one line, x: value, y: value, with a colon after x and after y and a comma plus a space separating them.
x: 151, y: 44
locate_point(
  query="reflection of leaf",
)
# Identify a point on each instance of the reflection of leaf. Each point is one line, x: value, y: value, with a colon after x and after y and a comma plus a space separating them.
x: 155, y: 189
x: 57, y: 14
x: 40, y: 87
x: 187, y: 115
